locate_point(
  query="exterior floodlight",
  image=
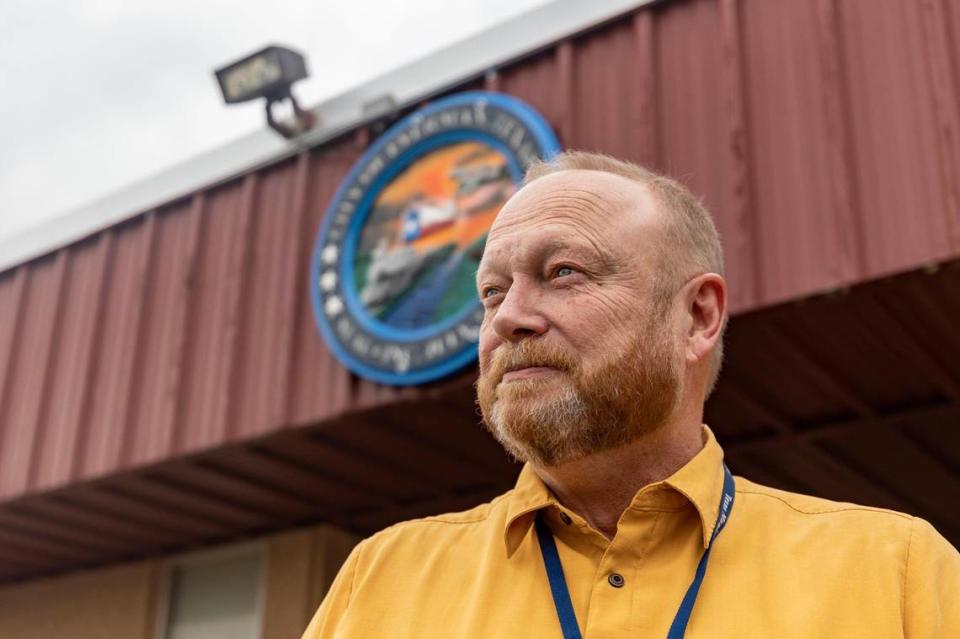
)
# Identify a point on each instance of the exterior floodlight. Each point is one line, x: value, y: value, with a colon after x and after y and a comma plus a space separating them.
x: 268, y: 73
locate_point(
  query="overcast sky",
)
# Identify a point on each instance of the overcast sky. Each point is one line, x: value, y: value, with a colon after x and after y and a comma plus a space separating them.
x: 99, y: 94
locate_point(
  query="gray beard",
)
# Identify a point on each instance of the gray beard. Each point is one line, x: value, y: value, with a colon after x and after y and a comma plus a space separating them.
x: 554, y: 422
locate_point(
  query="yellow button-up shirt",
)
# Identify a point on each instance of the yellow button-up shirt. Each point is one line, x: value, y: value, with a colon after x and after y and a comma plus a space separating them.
x: 786, y: 565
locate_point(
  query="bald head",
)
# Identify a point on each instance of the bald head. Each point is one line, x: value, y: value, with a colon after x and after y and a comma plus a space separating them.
x: 618, y: 216
x: 625, y: 213
x: 693, y: 245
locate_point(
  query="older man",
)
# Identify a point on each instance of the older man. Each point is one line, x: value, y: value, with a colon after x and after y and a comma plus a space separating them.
x: 605, y: 307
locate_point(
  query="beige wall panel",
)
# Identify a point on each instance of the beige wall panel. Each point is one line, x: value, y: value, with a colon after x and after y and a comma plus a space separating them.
x: 301, y: 565
x: 330, y: 549
x: 121, y: 601
x: 99, y: 604
x: 287, y: 588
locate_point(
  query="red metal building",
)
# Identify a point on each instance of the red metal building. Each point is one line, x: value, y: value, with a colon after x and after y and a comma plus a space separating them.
x: 163, y: 386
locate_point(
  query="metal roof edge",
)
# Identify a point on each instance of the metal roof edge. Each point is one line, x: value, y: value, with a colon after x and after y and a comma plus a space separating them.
x: 501, y: 44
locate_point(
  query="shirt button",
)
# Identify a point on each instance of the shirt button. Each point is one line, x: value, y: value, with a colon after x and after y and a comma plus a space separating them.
x: 615, y: 579
x: 565, y: 518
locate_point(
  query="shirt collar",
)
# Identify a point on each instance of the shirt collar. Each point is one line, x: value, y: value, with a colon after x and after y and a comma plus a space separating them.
x: 528, y: 496
x: 700, y: 481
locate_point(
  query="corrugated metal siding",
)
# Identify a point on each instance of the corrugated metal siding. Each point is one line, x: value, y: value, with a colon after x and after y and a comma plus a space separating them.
x: 701, y: 126
x: 318, y: 383
x: 81, y: 313
x: 790, y: 96
x: 32, y: 360
x: 823, y: 416
x: 789, y: 410
x: 111, y: 383
x: 825, y: 136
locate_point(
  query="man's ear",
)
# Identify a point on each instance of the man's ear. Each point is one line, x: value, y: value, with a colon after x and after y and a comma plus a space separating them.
x: 706, y: 306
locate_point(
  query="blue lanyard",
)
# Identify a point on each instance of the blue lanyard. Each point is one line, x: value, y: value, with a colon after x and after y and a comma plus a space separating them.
x: 558, y: 584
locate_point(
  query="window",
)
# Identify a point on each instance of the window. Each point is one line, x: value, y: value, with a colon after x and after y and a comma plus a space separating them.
x: 215, y: 596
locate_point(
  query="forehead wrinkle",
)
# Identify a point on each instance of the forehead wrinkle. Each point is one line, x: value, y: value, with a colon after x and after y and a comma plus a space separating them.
x: 589, y: 206
x: 597, y: 200
x: 547, y: 241
x: 587, y: 212
x: 593, y: 224
x: 559, y: 224
x: 578, y: 201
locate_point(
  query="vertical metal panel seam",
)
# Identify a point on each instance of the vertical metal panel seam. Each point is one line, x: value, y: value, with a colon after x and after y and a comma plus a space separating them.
x: 648, y: 111
x: 143, y: 303
x: 13, y: 352
x: 236, y: 303
x: 297, y: 291
x: 362, y: 138
x: 742, y: 196
x: 491, y: 80
x: 41, y: 427
x: 565, y: 88
x: 951, y: 14
x: 838, y: 114
x: 945, y: 99
x: 182, y: 374
x: 91, y: 374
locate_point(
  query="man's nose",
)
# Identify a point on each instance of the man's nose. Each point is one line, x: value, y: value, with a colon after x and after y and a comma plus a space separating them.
x: 520, y: 314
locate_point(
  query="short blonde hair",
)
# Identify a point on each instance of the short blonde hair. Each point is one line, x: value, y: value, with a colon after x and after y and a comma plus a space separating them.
x: 693, y: 244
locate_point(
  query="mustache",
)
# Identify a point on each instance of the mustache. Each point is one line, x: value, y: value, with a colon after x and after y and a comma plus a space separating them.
x: 525, y: 354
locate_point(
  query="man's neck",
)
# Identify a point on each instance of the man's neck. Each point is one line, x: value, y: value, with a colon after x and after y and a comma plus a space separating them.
x: 601, y: 486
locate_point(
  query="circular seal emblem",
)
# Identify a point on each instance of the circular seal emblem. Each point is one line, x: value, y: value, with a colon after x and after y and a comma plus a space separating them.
x: 392, y: 275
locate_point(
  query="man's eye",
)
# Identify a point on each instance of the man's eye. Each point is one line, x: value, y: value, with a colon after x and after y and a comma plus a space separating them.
x: 491, y: 291
x: 564, y: 271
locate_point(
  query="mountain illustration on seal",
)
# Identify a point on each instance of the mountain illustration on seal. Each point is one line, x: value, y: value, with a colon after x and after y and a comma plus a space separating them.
x: 420, y: 247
